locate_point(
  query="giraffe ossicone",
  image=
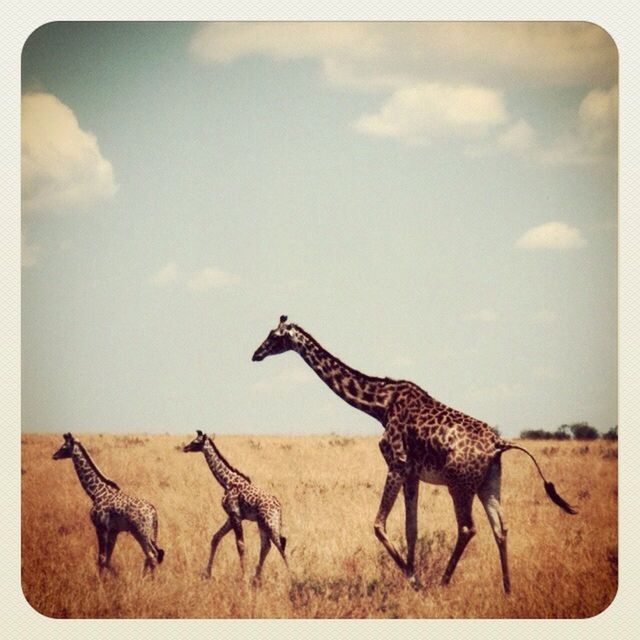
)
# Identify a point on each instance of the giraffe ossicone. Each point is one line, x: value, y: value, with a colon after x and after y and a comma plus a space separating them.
x: 423, y: 439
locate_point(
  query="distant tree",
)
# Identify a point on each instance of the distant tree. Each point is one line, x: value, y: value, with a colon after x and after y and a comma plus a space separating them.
x: 562, y: 434
x: 536, y: 434
x: 612, y: 434
x: 583, y: 431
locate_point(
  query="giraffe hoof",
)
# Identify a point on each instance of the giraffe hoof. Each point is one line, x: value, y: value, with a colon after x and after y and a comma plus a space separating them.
x: 205, y: 575
x: 415, y: 583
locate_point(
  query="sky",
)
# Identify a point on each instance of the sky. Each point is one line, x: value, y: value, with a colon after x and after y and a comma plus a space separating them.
x: 434, y: 202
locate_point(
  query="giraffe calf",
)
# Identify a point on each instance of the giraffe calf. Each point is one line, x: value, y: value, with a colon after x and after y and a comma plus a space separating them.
x: 113, y: 511
x: 242, y: 500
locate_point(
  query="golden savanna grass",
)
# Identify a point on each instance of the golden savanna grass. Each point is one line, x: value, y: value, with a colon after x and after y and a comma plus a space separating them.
x: 562, y: 566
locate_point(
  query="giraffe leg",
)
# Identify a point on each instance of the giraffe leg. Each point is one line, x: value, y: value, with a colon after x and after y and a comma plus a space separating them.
x: 489, y: 494
x: 157, y: 549
x: 236, y: 523
x: 389, y: 494
x: 112, y: 536
x: 101, y: 535
x: 273, y: 525
x: 265, y: 546
x: 101, y: 532
x: 411, y: 486
x: 462, y: 502
x: 215, y: 540
x: 279, y: 542
x: 150, y: 560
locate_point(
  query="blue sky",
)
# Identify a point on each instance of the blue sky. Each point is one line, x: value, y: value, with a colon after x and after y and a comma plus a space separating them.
x: 435, y: 202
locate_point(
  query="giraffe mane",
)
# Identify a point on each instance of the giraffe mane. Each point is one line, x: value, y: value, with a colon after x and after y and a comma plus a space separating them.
x: 351, y: 370
x: 93, y: 465
x: 225, y: 461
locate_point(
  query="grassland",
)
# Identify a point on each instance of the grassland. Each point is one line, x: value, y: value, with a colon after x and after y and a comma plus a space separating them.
x: 561, y: 566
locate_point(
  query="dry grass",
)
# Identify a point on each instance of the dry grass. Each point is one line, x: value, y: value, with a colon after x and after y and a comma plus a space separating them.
x: 561, y: 566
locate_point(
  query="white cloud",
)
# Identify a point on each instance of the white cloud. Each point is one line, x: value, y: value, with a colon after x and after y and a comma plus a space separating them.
x: 62, y: 166
x: 421, y: 112
x: 595, y: 136
x: 591, y: 135
x: 211, y: 278
x: 518, y: 137
x: 227, y: 41
x: 285, y: 380
x: 375, y: 54
x: 552, y: 235
x: 485, y: 315
x: 166, y: 275
x: 30, y: 252
x: 598, y: 121
x: 440, y: 79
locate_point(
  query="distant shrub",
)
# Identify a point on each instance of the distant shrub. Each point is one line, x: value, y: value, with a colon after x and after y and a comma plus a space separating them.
x: 536, y: 434
x: 341, y: 441
x: 131, y: 440
x: 612, y: 434
x: 583, y: 431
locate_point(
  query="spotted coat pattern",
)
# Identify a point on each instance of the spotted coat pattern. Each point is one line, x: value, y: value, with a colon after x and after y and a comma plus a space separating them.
x: 423, y: 439
x: 113, y: 511
x: 242, y: 500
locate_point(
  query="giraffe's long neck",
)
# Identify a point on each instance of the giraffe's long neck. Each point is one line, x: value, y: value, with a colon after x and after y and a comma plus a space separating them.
x: 223, y: 472
x: 369, y: 394
x: 91, y: 478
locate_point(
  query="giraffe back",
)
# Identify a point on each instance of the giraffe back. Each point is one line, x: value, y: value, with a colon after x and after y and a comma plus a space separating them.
x: 120, y: 511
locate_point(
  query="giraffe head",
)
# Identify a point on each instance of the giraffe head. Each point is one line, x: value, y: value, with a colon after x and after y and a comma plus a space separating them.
x: 66, y: 450
x: 197, y: 443
x: 278, y: 341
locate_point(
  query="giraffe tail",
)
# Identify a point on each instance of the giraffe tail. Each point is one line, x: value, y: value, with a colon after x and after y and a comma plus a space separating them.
x: 283, y: 542
x: 548, y: 486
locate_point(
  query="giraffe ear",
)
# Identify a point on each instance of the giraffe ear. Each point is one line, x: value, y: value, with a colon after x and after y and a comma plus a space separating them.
x: 283, y: 319
x: 199, y: 432
x: 67, y: 436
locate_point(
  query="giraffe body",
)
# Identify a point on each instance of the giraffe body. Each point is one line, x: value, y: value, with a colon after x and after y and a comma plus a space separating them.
x: 113, y: 511
x: 242, y: 500
x: 423, y: 439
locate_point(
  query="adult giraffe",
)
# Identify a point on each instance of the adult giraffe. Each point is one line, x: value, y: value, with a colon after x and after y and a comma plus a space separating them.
x: 423, y: 440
